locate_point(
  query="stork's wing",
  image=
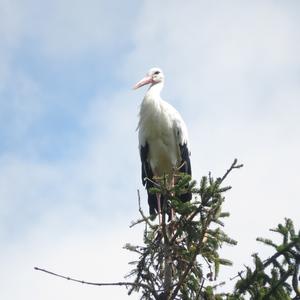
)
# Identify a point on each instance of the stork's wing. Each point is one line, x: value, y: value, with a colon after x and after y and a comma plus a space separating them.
x: 185, y: 159
x: 181, y: 134
x: 147, y: 178
x: 146, y: 168
x: 185, y: 165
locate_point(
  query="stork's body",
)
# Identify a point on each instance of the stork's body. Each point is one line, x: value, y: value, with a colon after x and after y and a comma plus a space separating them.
x: 163, y: 140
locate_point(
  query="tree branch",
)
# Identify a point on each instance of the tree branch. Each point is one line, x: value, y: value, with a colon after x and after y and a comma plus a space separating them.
x: 144, y: 218
x: 95, y: 283
x: 233, y: 166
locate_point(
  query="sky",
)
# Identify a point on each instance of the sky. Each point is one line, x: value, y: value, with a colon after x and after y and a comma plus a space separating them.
x: 69, y: 162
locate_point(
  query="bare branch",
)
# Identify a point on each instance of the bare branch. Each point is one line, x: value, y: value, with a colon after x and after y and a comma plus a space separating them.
x: 233, y: 166
x: 126, y: 284
x: 144, y: 218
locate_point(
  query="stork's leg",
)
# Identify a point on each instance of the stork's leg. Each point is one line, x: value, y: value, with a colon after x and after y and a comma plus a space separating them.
x: 158, y: 197
x: 172, y: 185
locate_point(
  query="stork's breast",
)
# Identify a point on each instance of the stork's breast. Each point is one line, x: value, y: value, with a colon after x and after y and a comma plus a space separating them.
x: 162, y: 157
x: 156, y: 128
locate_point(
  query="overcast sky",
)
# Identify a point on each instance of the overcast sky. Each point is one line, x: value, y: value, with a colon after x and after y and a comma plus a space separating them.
x: 69, y: 163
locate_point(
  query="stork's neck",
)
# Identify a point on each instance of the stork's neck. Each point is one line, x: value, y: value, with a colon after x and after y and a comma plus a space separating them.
x: 150, y: 105
x: 154, y: 90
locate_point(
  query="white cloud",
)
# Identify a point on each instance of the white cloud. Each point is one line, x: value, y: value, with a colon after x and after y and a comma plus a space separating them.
x: 19, y: 93
x: 70, y: 29
x: 55, y: 34
x: 11, y: 17
x: 94, y: 255
x: 10, y: 35
x: 21, y: 105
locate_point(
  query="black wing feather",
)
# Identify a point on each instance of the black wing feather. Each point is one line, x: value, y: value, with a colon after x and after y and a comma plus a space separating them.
x: 147, y: 179
x: 185, y: 168
x: 147, y: 175
x: 185, y: 160
x: 146, y: 169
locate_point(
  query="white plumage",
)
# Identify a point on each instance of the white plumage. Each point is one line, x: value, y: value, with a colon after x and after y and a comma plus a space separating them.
x: 163, y: 138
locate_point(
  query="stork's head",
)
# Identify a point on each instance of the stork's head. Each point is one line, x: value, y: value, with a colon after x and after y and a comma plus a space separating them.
x: 154, y: 76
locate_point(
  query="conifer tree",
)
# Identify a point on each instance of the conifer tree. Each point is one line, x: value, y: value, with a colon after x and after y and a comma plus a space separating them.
x: 180, y: 259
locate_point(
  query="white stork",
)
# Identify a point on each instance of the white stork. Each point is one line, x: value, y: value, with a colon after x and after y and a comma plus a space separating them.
x: 163, y: 139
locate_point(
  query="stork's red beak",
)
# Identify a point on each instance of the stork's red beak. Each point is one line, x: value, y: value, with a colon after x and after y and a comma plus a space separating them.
x: 146, y: 80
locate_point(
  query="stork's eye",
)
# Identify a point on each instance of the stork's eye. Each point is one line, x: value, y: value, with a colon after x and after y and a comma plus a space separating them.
x: 156, y: 72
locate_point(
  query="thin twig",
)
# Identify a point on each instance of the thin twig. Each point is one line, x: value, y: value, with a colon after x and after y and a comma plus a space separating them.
x: 200, y: 289
x: 145, y: 219
x: 153, y: 182
x: 233, y: 166
x: 209, y: 267
x: 133, y: 223
x: 239, y: 274
x: 95, y: 283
